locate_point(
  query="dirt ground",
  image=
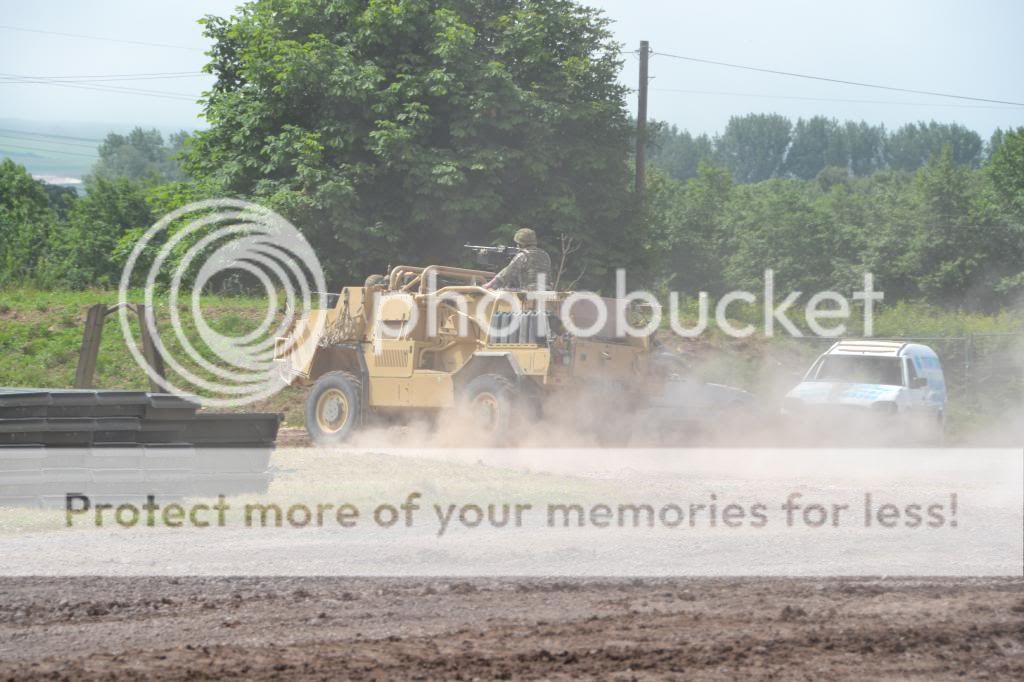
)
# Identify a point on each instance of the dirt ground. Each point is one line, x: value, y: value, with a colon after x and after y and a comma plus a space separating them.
x: 447, y: 629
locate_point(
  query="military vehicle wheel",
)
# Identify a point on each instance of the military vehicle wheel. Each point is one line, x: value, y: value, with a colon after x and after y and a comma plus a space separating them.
x: 334, y: 408
x: 491, y: 400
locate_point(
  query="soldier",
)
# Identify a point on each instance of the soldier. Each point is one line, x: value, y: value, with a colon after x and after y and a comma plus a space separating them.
x: 375, y: 281
x: 523, y: 270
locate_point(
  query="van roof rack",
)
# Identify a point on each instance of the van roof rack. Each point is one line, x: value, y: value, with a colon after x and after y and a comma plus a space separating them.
x: 872, y: 347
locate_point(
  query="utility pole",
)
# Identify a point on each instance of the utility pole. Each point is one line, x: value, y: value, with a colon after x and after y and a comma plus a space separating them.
x: 641, y: 120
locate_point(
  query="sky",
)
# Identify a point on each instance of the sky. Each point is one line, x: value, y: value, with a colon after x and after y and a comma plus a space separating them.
x: 965, y: 48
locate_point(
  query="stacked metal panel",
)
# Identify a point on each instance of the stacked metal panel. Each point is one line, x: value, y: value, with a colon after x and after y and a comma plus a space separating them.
x: 124, y: 445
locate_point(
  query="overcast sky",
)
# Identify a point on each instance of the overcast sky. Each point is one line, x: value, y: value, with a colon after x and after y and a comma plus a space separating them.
x: 966, y: 48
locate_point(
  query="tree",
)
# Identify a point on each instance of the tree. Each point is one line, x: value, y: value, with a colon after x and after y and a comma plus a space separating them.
x: 691, y: 246
x: 61, y: 198
x: 912, y: 145
x: 27, y: 224
x: 676, y: 151
x: 1006, y: 169
x: 761, y: 146
x: 141, y: 155
x: 963, y: 247
x: 865, y: 144
x: 817, y: 142
x: 392, y: 130
x: 778, y: 225
x: 994, y: 142
x: 753, y: 147
x: 21, y: 195
x: 891, y: 216
x: 95, y: 226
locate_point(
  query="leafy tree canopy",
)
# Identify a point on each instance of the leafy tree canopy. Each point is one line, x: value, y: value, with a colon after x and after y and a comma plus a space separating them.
x: 757, y: 147
x: 1007, y: 170
x: 391, y: 130
x: 141, y: 155
x: 753, y: 148
x: 27, y: 223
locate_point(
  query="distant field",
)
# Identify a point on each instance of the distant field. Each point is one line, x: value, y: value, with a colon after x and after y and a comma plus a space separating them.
x: 49, y: 162
x: 61, y: 149
x: 58, y: 148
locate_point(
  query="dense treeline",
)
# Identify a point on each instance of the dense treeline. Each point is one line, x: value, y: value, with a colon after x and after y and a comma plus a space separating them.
x: 757, y: 147
x: 394, y: 132
x: 51, y: 237
x: 946, y: 233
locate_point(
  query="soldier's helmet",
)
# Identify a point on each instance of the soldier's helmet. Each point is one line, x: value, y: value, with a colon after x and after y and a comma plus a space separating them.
x: 374, y: 281
x: 525, y: 237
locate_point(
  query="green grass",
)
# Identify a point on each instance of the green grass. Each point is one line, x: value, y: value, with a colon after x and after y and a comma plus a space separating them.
x: 41, y: 334
x: 41, y: 331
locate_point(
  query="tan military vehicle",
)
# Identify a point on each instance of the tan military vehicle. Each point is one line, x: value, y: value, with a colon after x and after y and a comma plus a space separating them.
x: 428, y: 339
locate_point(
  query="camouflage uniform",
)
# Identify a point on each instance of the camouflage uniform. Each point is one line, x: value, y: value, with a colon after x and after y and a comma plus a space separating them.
x: 530, y: 262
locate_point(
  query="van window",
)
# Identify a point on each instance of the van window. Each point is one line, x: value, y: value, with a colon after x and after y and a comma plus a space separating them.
x: 859, y: 369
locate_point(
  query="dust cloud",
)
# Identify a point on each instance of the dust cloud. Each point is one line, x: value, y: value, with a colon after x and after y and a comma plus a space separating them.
x: 701, y: 409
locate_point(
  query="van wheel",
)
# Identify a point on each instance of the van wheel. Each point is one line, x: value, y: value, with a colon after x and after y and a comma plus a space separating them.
x: 334, y: 408
x: 491, y: 400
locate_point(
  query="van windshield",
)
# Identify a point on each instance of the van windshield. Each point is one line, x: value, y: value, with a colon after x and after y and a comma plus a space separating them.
x: 857, y: 369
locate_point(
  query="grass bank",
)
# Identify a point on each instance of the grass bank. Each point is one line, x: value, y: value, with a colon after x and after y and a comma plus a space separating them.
x: 41, y: 331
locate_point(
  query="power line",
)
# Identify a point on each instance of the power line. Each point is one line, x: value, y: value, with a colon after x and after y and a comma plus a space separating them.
x: 14, y: 78
x: 125, y: 75
x: 103, y: 88
x: 109, y: 40
x: 836, y: 80
x: 115, y: 77
x: 829, y: 99
x: 61, y: 137
x: 124, y: 91
x: 24, y: 138
x: 46, y: 151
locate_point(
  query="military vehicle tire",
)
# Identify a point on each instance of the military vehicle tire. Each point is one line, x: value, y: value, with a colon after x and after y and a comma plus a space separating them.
x: 334, y: 408
x: 492, y: 400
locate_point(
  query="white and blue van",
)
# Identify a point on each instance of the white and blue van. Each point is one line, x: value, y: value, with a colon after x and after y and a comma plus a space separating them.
x: 900, y: 381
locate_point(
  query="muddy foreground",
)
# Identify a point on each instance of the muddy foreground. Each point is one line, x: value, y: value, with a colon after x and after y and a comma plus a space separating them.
x: 319, y: 628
